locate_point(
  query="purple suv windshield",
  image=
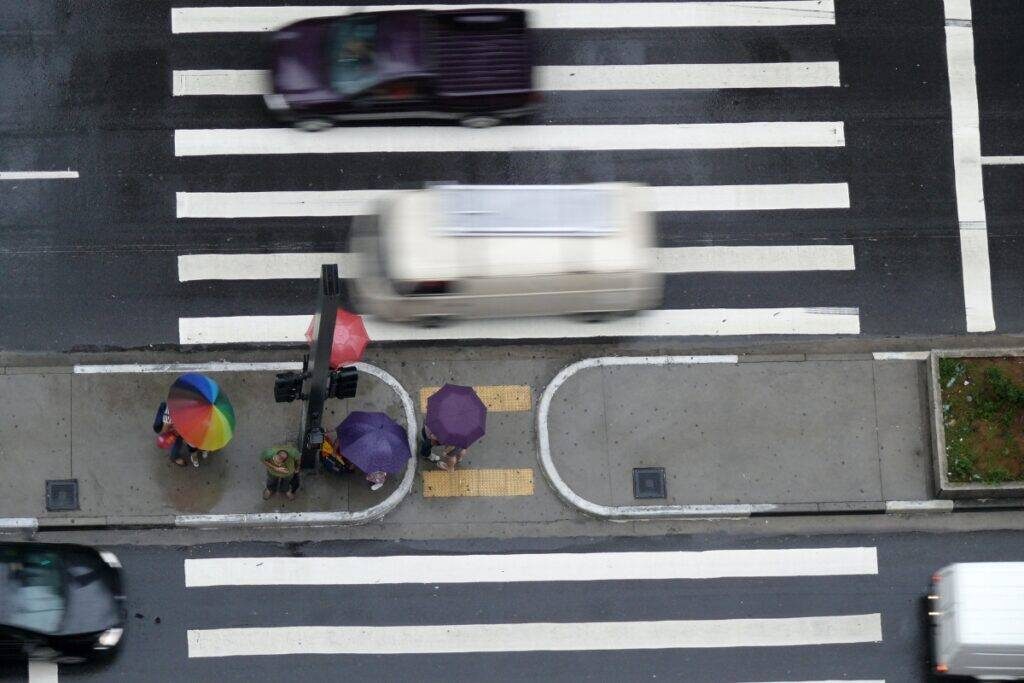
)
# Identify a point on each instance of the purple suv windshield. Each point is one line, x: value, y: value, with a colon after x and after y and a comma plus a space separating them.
x: 352, y: 54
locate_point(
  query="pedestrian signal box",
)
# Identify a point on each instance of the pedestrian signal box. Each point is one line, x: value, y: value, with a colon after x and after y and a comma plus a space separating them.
x: 288, y: 387
x: 343, y: 383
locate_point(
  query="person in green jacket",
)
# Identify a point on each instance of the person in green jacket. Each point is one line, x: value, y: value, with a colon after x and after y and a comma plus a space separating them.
x: 282, y: 463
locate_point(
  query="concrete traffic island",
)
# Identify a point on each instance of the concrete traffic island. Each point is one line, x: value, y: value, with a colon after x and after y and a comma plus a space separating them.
x: 739, y: 436
x: 93, y: 425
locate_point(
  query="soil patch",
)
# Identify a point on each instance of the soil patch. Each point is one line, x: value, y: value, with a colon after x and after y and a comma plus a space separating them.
x: 983, y: 415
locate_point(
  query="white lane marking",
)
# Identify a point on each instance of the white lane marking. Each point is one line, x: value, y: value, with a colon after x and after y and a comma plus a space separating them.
x: 42, y: 672
x: 38, y: 175
x: 363, y: 202
x: 754, y: 259
x: 900, y: 355
x: 542, y: 15
x: 1003, y: 161
x: 970, y: 192
x: 306, y: 265
x: 623, y: 566
x: 833, y: 680
x: 177, y: 368
x: 670, y: 323
x: 293, y: 266
x: 535, y: 637
x: 583, y: 77
x: 202, y: 142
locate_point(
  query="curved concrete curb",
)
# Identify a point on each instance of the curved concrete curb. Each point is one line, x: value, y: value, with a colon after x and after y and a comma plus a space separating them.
x: 629, y: 513
x: 327, y: 518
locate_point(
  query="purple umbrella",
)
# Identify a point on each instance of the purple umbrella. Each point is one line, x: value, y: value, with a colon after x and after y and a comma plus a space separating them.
x: 373, y: 442
x: 456, y: 415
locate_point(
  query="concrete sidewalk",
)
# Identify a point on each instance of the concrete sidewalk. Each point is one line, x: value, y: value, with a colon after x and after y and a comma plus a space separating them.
x: 772, y: 435
x: 96, y: 428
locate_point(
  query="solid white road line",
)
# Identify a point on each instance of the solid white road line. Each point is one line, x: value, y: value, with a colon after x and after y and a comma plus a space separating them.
x: 624, y: 566
x: 542, y: 15
x: 970, y: 192
x: 669, y: 323
x: 42, y: 672
x: 291, y: 266
x: 363, y: 202
x: 583, y: 77
x: 202, y: 142
x: 1003, y: 161
x: 178, y: 368
x: 754, y: 259
x: 535, y: 637
x: 304, y: 265
x: 38, y: 175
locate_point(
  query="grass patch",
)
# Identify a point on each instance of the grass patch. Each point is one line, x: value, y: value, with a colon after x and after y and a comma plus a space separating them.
x: 983, y: 416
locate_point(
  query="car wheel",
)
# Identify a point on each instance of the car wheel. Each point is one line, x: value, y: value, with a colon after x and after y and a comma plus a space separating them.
x: 480, y: 121
x: 313, y: 125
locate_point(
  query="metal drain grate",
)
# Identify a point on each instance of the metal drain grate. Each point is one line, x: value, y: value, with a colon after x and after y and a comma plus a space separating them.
x: 61, y: 495
x: 649, y: 482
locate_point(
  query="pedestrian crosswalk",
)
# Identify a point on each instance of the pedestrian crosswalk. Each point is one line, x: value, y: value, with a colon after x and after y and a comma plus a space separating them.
x: 667, y: 582
x: 629, y: 150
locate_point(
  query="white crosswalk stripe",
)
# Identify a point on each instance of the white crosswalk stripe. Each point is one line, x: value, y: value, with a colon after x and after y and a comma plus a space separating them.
x: 363, y: 202
x: 574, y: 77
x: 543, y: 15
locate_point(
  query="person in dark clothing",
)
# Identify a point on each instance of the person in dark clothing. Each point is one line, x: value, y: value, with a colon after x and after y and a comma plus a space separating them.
x: 282, y: 463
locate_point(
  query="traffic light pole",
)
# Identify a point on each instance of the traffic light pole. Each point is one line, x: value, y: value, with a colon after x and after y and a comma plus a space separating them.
x: 311, y: 431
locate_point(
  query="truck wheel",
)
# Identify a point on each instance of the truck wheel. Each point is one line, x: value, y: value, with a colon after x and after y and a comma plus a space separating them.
x: 313, y: 125
x: 480, y: 121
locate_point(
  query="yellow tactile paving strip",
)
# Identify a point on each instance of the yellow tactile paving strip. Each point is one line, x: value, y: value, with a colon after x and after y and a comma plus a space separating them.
x: 492, y: 483
x: 499, y: 398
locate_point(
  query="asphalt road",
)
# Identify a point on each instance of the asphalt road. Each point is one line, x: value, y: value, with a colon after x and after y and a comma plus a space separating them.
x: 92, y: 262
x: 162, y: 609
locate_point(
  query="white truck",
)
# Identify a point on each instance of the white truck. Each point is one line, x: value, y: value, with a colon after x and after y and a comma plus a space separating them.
x: 977, y: 615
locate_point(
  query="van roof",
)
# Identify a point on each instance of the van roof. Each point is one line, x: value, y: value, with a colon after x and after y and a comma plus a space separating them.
x: 458, y: 231
x: 988, y: 602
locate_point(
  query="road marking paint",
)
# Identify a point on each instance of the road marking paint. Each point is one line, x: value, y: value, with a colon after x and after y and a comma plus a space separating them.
x: 528, y: 567
x: 845, y: 680
x: 669, y: 323
x: 659, y: 199
x: 900, y: 355
x: 42, y: 672
x: 473, y: 483
x: 379, y: 140
x: 38, y: 175
x: 542, y: 15
x: 1004, y: 161
x: 535, y: 637
x: 970, y: 192
x: 306, y: 265
x: 754, y: 259
x: 299, y: 266
x: 194, y: 82
x: 215, y: 366
x: 500, y: 398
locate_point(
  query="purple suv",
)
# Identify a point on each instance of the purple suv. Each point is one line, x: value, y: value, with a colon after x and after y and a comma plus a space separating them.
x: 470, y: 65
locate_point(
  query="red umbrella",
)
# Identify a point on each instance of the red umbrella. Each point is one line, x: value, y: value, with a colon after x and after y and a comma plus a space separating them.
x: 350, y: 338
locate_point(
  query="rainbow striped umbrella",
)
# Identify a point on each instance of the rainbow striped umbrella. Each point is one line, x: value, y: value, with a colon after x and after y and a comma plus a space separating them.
x: 201, y: 412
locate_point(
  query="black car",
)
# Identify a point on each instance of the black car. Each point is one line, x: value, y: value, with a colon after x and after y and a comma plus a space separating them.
x: 62, y: 603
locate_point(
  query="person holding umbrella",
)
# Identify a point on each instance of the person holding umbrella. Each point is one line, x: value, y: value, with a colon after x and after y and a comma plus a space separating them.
x: 375, y: 444
x: 282, y: 463
x: 200, y: 415
x: 456, y: 418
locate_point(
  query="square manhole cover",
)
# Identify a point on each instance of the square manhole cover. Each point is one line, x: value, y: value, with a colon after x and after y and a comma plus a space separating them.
x: 61, y: 494
x: 649, y: 482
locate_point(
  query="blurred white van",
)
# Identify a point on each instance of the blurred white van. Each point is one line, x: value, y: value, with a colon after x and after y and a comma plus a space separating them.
x: 462, y: 251
x: 977, y: 615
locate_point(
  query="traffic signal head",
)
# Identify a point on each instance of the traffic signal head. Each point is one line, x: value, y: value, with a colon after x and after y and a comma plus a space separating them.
x: 288, y: 387
x: 343, y: 383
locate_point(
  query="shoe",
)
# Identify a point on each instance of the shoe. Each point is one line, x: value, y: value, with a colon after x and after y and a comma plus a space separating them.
x: 267, y: 493
x: 289, y: 495
x: 205, y: 454
x: 433, y: 457
x: 441, y: 465
x: 376, y: 487
x: 194, y: 457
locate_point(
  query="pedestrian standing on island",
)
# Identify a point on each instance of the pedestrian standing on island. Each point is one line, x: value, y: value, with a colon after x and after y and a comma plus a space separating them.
x: 169, y: 438
x: 451, y: 456
x: 282, y: 463
x: 428, y: 442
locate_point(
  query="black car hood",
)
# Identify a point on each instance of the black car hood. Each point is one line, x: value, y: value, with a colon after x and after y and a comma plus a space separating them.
x: 94, y: 602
